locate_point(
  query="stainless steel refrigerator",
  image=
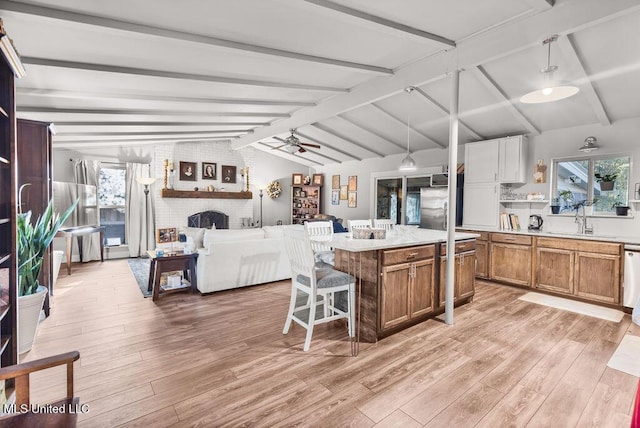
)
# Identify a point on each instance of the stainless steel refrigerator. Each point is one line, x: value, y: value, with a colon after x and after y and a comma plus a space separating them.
x: 434, y: 206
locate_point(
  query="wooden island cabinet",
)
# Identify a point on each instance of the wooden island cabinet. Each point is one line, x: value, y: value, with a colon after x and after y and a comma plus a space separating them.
x: 400, y: 279
x: 465, y: 264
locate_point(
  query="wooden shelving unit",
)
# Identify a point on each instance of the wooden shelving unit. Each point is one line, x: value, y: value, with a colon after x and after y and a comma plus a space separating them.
x: 305, y: 203
x: 201, y: 194
x: 10, y: 69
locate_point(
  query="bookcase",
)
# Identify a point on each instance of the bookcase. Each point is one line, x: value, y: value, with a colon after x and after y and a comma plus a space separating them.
x: 305, y: 202
x: 10, y: 68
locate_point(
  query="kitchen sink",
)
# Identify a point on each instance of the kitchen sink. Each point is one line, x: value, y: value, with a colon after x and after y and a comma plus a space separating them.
x: 585, y: 235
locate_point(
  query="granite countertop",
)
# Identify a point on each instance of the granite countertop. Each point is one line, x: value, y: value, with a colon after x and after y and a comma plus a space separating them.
x: 399, y: 237
x: 550, y: 234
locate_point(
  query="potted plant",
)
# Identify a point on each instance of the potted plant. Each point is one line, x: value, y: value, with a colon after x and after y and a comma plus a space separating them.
x: 555, y: 206
x: 567, y: 197
x: 621, y: 210
x: 606, y: 174
x: 33, y: 241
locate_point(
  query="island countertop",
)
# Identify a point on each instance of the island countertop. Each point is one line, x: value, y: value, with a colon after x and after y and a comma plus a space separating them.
x: 397, y: 238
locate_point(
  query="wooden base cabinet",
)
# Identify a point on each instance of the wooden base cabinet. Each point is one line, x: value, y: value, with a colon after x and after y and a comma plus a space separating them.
x: 587, y: 269
x: 510, y: 258
x: 482, y: 255
x: 407, y: 288
x: 463, y: 286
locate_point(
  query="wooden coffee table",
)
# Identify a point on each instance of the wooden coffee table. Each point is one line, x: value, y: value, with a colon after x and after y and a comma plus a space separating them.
x: 172, y: 262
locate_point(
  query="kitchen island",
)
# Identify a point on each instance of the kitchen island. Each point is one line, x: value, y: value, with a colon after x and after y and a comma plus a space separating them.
x: 401, y: 278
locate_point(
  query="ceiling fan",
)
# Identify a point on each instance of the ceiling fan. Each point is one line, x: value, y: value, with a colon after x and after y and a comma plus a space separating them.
x: 292, y: 144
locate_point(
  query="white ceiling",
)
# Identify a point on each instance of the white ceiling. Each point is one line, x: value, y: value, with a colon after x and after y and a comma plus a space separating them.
x: 126, y: 73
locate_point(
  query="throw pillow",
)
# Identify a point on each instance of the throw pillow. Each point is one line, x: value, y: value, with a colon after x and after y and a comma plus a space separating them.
x: 195, y: 233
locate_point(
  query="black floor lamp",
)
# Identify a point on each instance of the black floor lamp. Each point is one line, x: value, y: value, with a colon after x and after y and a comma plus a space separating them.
x: 146, y: 182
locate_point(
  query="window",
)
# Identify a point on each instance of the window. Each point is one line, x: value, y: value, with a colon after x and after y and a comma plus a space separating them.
x: 603, y: 180
x: 112, y: 202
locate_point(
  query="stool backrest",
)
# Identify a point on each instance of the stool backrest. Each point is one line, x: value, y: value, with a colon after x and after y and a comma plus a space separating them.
x: 358, y: 224
x: 383, y: 223
x: 319, y: 231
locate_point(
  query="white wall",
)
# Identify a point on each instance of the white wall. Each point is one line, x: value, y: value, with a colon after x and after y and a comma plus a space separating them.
x: 619, y: 138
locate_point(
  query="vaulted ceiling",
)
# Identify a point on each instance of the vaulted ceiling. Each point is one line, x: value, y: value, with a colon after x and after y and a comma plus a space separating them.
x: 125, y: 73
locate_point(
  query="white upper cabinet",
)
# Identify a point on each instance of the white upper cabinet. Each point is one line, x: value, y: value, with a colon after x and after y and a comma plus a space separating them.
x: 481, y: 161
x: 496, y: 161
x: 481, y: 208
x: 513, y: 162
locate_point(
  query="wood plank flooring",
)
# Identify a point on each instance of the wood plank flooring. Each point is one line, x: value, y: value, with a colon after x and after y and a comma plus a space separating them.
x: 221, y: 360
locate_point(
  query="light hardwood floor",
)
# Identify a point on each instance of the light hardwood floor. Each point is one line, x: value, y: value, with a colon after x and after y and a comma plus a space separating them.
x: 221, y: 360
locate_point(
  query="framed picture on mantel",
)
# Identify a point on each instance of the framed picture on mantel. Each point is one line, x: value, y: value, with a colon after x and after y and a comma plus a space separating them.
x: 187, y: 171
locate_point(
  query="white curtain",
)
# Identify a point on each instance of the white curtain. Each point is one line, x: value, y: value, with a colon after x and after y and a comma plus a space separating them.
x: 140, y: 222
x: 87, y: 173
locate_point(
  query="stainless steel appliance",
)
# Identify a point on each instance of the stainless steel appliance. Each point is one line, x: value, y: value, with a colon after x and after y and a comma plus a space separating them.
x: 433, y: 207
x: 535, y: 222
x: 631, y: 275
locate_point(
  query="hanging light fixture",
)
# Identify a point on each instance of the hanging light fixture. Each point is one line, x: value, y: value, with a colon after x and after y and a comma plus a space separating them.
x: 551, y: 90
x: 408, y: 164
x: 590, y: 144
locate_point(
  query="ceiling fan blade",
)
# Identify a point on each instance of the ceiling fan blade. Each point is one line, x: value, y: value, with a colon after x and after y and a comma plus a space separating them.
x: 310, y: 145
x: 279, y: 147
x: 301, y: 149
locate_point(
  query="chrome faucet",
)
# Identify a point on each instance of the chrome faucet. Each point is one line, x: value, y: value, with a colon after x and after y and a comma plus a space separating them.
x: 582, y: 220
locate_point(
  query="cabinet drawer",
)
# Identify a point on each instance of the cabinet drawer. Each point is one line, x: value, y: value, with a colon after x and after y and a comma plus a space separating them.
x: 509, y: 238
x: 461, y: 247
x: 403, y: 255
x: 580, y: 245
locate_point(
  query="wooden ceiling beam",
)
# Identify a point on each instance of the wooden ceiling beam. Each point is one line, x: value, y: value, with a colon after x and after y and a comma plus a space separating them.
x: 348, y: 140
x: 51, y: 93
x: 105, y: 68
x: 446, y: 112
x: 503, y: 99
x: 158, y: 123
x: 572, y: 57
x: 404, y: 29
x: 403, y: 123
x: 306, y: 136
x: 369, y: 131
x: 142, y: 112
x: 114, y: 24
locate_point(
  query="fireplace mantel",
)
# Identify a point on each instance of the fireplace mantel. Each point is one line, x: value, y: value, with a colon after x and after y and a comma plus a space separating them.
x: 202, y: 194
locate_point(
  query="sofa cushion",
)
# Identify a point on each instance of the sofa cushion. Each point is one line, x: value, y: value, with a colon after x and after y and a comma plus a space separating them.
x: 195, y: 233
x: 223, y: 235
x: 278, y: 231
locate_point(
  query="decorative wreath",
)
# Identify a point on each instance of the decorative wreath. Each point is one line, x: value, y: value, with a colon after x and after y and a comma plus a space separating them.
x: 274, y: 189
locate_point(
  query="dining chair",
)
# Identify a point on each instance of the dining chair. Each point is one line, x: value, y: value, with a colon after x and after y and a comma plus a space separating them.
x: 319, y: 233
x: 383, y: 223
x: 358, y: 224
x: 317, y: 283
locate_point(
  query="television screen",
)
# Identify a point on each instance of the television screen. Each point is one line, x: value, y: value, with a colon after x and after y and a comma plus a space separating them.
x: 86, y: 214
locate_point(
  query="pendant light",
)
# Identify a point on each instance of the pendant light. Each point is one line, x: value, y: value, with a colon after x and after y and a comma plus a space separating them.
x: 551, y: 90
x: 408, y: 164
x: 590, y: 144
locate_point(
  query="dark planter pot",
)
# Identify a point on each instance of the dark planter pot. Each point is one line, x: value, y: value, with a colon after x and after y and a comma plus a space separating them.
x: 622, y: 211
x: 555, y: 209
x: 607, y: 185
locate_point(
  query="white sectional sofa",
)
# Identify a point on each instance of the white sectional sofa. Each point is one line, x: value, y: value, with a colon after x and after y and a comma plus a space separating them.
x: 233, y: 258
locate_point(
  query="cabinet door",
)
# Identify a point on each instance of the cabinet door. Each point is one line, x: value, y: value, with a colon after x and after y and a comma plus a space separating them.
x: 443, y: 280
x: 512, y: 160
x: 481, y: 162
x: 598, y: 277
x: 481, y: 207
x: 511, y: 263
x: 395, y: 295
x: 554, y: 270
x: 421, y: 288
x: 466, y: 275
x: 482, y: 259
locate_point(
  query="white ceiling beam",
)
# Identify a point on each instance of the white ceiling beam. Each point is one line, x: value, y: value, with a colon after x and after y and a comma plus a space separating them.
x: 158, y: 123
x: 346, y: 139
x: 173, y: 75
x: 369, y: 131
x: 52, y: 93
x: 322, y: 143
x: 445, y: 111
x: 403, y: 123
x: 286, y: 155
x: 110, y: 133
x: 35, y: 109
x: 282, y: 140
x: 503, y: 99
x: 106, y: 143
x: 146, y: 138
x: 85, y: 19
x: 540, y: 5
x: 574, y: 61
x: 404, y: 29
x: 487, y: 46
